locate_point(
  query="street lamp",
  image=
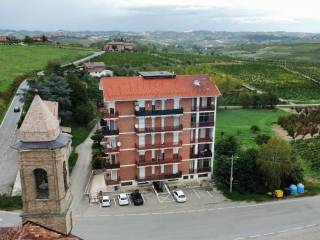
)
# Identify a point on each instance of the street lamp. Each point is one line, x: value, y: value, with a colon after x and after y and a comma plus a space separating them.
x: 231, y: 171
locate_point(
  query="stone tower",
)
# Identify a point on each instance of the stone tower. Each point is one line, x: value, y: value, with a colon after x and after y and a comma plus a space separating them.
x: 44, y: 151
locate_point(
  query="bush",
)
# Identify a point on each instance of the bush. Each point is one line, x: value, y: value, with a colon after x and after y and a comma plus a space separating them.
x: 9, y: 203
x: 255, y: 129
x: 262, y: 139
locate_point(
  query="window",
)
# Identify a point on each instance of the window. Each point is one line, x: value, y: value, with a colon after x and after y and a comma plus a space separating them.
x: 175, y: 168
x: 176, y: 103
x: 65, y: 176
x: 41, y: 180
x: 126, y: 183
x: 141, y: 140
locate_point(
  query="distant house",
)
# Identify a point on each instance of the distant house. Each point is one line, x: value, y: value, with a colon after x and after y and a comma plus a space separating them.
x: 40, y: 38
x: 4, y: 40
x: 118, y: 46
x: 97, y: 69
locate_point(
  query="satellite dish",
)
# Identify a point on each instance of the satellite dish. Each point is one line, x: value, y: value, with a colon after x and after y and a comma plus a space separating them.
x: 119, y: 144
x: 136, y: 126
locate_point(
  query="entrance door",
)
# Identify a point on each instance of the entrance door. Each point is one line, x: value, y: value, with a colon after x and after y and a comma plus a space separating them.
x: 142, y: 172
x: 114, y: 174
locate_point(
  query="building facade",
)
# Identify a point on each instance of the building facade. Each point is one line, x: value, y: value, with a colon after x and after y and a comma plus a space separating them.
x: 158, y: 127
x: 43, y: 152
x: 118, y: 47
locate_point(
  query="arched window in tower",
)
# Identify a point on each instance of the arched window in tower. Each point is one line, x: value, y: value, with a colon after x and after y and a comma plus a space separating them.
x: 65, y: 176
x: 41, y: 179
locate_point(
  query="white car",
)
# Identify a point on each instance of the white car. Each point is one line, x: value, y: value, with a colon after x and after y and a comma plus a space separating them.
x: 105, y: 201
x: 123, y: 199
x: 179, y: 196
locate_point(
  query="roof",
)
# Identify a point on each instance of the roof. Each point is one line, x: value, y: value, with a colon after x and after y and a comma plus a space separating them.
x: 119, y: 43
x: 123, y: 195
x: 40, y: 123
x: 62, y: 140
x: 94, y: 64
x: 179, y: 192
x: 31, y: 231
x: 132, y: 88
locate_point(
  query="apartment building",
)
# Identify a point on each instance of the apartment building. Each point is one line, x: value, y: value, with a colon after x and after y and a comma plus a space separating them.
x: 158, y: 127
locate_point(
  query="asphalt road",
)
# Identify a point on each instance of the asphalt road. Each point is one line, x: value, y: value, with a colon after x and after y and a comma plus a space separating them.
x: 8, y: 136
x: 245, y: 221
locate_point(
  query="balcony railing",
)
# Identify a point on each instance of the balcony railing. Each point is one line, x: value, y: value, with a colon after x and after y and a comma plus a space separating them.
x: 204, y: 154
x: 107, y: 132
x: 112, y: 182
x: 159, y: 129
x: 159, y: 145
x: 143, y: 162
x: 112, y: 165
x: 160, y: 177
x: 143, y: 112
x: 202, y: 124
x: 207, y: 108
x: 202, y: 140
x: 114, y: 114
x: 111, y: 149
x: 200, y: 170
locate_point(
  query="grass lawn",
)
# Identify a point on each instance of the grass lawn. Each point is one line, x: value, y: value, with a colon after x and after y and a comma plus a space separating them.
x: 238, y: 123
x: 17, y: 60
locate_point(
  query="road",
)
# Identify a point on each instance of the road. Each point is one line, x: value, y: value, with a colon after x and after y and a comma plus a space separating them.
x: 8, y: 136
x: 244, y: 221
x: 86, y: 59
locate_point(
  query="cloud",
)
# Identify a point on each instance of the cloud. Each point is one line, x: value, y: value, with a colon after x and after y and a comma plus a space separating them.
x: 139, y: 15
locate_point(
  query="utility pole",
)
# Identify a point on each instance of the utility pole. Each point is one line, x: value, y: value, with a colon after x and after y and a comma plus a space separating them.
x: 231, y: 173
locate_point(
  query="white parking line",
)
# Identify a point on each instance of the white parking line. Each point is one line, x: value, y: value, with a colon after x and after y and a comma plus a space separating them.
x: 144, y: 201
x: 210, y: 194
x: 195, y: 192
x: 130, y: 203
x: 115, y: 202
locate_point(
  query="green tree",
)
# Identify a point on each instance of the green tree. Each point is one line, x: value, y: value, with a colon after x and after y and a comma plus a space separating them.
x: 28, y: 40
x: 275, y: 162
x: 227, y: 146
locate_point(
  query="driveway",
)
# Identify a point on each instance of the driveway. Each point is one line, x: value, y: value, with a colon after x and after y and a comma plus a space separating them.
x: 8, y: 136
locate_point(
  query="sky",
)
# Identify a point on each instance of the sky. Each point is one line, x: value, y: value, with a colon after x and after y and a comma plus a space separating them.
x: 149, y: 15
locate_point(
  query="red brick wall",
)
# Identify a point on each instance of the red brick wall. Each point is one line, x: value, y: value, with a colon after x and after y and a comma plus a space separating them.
x: 125, y: 108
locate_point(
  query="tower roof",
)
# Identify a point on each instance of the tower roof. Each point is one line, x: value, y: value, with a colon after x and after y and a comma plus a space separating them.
x: 40, y: 124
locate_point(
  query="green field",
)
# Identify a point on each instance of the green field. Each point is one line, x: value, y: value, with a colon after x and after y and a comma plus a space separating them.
x: 238, y: 123
x: 17, y: 60
x: 133, y: 59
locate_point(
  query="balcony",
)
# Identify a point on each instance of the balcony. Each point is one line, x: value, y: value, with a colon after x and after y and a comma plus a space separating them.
x: 202, y: 140
x: 200, y: 170
x: 203, y: 109
x: 143, y: 162
x: 202, y: 124
x: 142, y: 112
x: 157, y: 177
x: 159, y: 145
x: 108, y: 115
x: 111, y: 149
x: 159, y: 129
x: 203, y: 154
x: 112, y: 165
x: 107, y: 132
x: 112, y: 182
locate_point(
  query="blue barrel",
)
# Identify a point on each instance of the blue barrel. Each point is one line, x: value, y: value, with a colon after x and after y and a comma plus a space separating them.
x: 293, y: 190
x: 300, y: 188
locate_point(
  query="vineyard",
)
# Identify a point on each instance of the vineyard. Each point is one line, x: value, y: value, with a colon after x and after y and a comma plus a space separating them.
x: 308, y: 151
x: 228, y: 72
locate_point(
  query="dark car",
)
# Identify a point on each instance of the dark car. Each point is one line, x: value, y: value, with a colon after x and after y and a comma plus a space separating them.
x: 136, y: 198
x: 16, y: 109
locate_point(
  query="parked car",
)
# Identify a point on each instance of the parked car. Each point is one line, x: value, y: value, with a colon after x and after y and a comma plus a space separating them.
x: 136, y: 198
x: 105, y: 201
x: 179, y: 196
x: 123, y: 199
x: 16, y: 109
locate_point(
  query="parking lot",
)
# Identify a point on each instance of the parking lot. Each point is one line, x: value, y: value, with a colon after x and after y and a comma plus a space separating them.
x: 197, y: 198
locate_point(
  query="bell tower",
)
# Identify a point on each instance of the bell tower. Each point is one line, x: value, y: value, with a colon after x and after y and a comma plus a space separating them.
x: 44, y: 151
